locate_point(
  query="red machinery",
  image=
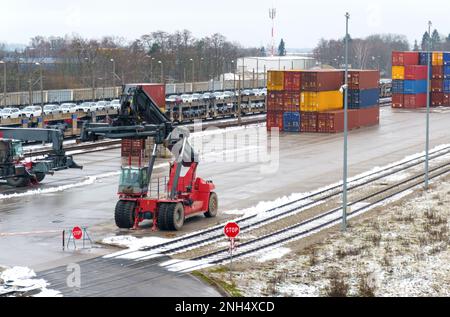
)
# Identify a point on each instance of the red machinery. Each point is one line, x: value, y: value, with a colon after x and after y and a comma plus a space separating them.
x: 183, y: 196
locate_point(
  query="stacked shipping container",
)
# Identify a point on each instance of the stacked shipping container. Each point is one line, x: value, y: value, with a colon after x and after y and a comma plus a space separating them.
x: 311, y: 101
x: 409, y: 79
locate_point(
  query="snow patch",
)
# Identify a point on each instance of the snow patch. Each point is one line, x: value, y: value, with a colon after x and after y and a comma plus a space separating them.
x: 88, y: 181
x: 22, y: 279
x: 274, y: 254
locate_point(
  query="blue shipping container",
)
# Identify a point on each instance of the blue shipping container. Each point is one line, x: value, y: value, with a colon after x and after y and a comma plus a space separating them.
x: 291, y: 121
x: 423, y: 58
x: 447, y: 86
x: 363, y: 98
x: 415, y: 86
x: 446, y: 58
x: 447, y: 72
x: 397, y: 87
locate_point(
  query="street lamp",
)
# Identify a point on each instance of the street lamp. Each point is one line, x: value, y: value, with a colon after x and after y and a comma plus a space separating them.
x: 193, y: 65
x: 4, y: 82
x: 42, y: 84
x: 113, y: 71
x: 162, y: 71
x: 344, y: 178
x: 427, y: 141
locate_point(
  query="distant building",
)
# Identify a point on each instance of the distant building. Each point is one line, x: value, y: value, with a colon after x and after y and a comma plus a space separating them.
x: 258, y: 64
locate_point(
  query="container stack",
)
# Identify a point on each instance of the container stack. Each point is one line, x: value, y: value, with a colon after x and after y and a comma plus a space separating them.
x: 409, y: 79
x: 311, y: 101
x: 364, y: 96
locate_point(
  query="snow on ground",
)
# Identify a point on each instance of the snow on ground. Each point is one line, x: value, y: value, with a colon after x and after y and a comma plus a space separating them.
x: 402, y: 250
x: 87, y: 181
x: 274, y: 254
x: 134, y: 243
x: 22, y: 279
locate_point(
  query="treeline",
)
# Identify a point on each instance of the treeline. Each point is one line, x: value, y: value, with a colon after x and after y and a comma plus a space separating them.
x: 374, y: 52
x: 75, y: 62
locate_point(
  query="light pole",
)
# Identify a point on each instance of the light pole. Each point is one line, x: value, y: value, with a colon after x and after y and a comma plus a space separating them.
x: 162, y: 71
x: 427, y: 141
x: 42, y: 83
x: 113, y: 71
x: 193, y: 80
x: 344, y: 178
x: 4, y: 82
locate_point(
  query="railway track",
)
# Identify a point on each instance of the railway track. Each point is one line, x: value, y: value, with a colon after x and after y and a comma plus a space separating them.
x: 327, y: 218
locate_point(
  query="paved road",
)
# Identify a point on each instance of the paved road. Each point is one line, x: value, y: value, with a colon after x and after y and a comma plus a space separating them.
x: 306, y: 162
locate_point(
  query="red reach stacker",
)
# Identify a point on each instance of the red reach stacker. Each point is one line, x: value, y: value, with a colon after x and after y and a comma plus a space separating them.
x: 183, y: 196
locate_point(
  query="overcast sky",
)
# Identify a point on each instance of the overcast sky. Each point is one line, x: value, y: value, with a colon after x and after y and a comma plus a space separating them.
x: 300, y: 23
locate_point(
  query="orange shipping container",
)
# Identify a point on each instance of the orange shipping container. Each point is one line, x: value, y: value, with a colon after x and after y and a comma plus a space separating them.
x: 275, y: 80
x: 438, y: 59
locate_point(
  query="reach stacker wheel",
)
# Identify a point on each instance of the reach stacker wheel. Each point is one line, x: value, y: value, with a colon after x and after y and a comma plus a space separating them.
x: 213, y: 206
x: 18, y: 181
x: 124, y: 214
x: 171, y: 216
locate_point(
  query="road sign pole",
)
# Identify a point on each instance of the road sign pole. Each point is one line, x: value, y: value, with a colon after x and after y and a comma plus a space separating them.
x: 231, y: 260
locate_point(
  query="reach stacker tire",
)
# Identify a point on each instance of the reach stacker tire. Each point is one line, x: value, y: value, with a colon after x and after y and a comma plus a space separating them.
x: 40, y: 177
x: 213, y: 206
x: 170, y: 216
x: 124, y: 214
x: 18, y: 181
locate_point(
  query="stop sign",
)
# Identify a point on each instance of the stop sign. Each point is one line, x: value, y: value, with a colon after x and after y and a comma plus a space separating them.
x: 231, y: 230
x: 77, y: 233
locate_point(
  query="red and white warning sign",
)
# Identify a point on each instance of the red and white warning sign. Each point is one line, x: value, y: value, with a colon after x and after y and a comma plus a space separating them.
x: 77, y: 233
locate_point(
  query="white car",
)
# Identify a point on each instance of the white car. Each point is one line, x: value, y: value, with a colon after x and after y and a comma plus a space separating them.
x: 88, y: 106
x: 10, y: 113
x: 51, y: 109
x: 114, y: 105
x: 187, y: 98
x: 68, y: 108
x: 101, y: 105
x: 219, y: 95
x: 32, y: 111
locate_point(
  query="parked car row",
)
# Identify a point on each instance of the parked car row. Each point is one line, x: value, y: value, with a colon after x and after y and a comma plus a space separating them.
x: 218, y: 95
x: 37, y: 111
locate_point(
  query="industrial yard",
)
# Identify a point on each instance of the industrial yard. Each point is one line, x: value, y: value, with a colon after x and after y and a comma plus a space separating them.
x: 192, y: 166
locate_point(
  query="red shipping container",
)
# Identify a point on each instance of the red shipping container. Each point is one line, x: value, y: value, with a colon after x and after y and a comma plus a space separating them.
x: 397, y: 100
x: 308, y: 122
x: 415, y: 101
x: 157, y: 92
x: 275, y: 101
x: 363, y: 79
x: 274, y: 120
x: 437, y: 99
x: 291, y: 101
x: 323, y: 80
x: 333, y: 121
x: 368, y: 117
x: 292, y: 80
x: 446, y: 100
x: 405, y: 58
x: 437, y: 85
x: 132, y: 147
x: 437, y: 72
x: 416, y: 72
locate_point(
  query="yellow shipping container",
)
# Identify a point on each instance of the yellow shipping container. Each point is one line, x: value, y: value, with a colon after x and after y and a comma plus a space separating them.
x: 321, y: 101
x: 275, y: 80
x: 398, y: 72
x: 438, y: 59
